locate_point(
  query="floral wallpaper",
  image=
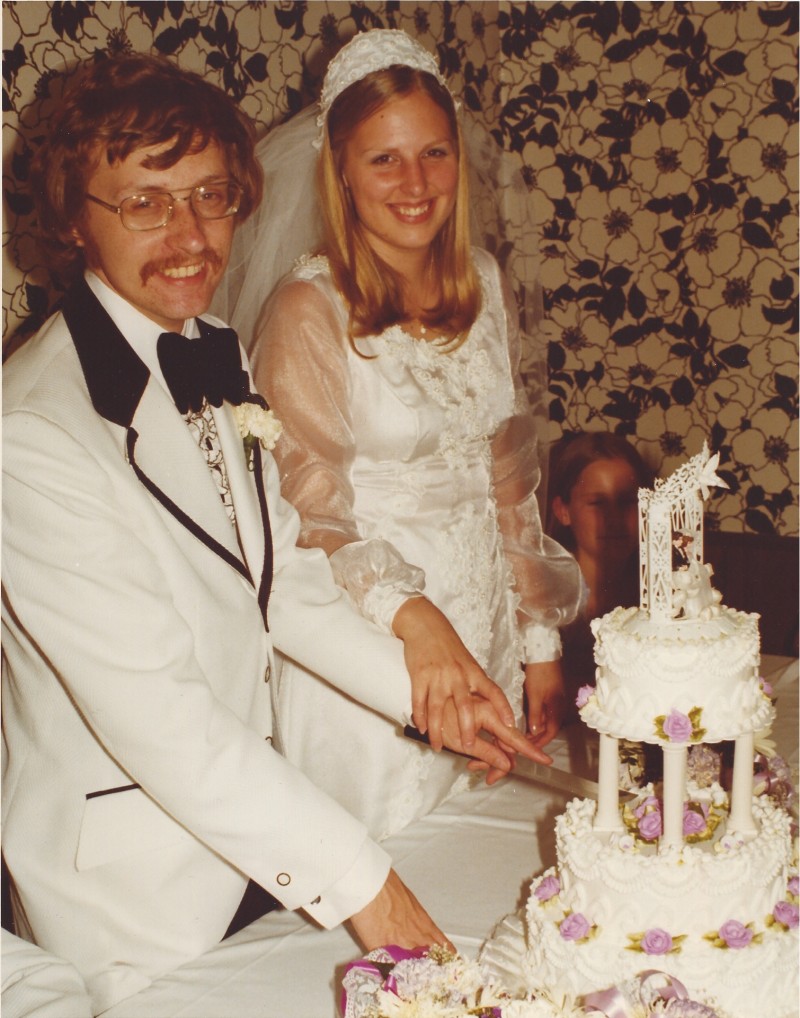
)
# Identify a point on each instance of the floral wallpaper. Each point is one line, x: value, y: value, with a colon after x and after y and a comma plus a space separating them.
x: 659, y: 146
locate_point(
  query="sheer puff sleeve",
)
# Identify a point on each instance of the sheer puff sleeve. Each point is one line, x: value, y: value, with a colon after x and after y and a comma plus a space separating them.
x: 547, y: 578
x: 300, y: 366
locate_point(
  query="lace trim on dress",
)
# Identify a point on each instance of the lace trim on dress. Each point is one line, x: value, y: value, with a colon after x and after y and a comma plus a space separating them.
x: 471, y: 546
x: 459, y: 381
x: 377, y: 578
x: 309, y: 265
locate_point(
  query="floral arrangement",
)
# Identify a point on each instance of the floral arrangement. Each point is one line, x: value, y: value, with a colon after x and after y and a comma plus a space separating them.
x: 393, y: 982
x: 257, y: 424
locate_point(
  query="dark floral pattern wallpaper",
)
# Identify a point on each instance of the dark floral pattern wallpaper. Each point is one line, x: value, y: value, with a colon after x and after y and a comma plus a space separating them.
x: 659, y: 144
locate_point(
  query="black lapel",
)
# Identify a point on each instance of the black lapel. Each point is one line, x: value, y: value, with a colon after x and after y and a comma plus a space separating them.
x: 115, y: 374
x: 116, y: 378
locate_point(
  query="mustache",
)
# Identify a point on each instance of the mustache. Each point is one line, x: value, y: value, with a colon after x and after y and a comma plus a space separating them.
x: 207, y: 255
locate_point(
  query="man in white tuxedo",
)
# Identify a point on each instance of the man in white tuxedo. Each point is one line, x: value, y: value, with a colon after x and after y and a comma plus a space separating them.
x: 150, y: 568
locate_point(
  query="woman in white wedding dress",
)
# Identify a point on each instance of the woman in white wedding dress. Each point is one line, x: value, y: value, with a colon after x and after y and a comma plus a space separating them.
x: 392, y: 359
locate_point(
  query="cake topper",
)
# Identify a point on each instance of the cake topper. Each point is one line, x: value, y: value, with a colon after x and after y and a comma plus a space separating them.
x: 670, y: 527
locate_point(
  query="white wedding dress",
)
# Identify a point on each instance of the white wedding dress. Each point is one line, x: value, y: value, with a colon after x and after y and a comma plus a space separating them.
x: 425, y: 461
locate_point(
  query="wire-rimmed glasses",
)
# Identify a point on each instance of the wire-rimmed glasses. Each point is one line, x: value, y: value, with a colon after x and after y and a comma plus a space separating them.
x: 153, y: 209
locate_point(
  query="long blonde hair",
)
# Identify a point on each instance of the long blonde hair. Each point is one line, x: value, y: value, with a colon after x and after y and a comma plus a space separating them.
x: 371, y: 288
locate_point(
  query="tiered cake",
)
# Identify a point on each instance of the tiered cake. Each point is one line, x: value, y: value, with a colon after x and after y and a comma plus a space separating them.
x: 693, y: 882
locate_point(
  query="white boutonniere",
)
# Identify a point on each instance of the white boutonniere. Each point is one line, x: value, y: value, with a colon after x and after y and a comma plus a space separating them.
x: 256, y: 424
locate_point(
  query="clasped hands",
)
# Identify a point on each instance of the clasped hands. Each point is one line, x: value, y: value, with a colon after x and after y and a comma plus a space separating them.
x: 454, y: 701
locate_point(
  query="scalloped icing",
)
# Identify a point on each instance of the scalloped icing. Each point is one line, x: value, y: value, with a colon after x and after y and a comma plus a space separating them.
x: 691, y: 890
x: 647, y: 669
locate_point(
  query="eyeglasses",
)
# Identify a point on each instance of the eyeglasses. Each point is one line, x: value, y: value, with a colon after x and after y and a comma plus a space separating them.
x: 153, y: 209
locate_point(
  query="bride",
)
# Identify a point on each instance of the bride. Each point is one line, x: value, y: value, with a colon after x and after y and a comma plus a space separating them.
x: 391, y: 354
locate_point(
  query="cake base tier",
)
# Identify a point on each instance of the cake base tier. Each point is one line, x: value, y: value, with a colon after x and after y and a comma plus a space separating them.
x: 767, y: 987
x: 707, y: 914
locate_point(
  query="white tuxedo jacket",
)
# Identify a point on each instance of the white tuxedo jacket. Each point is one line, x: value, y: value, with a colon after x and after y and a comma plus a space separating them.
x: 140, y: 789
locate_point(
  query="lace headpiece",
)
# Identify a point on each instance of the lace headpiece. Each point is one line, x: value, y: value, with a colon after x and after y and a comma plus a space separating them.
x: 373, y: 51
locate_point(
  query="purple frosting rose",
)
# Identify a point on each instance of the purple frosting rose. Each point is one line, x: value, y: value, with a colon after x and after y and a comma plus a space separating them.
x: 574, y: 927
x: 585, y: 693
x: 693, y: 822
x: 548, y: 888
x: 651, y: 802
x: 677, y: 727
x: 787, y: 913
x: 735, y: 934
x: 650, y: 826
x: 656, y: 941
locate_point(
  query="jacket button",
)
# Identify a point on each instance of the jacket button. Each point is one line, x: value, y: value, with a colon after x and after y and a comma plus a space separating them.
x: 283, y: 879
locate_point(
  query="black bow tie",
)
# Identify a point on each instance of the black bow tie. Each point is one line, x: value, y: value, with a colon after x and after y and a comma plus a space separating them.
x: 208, y: 367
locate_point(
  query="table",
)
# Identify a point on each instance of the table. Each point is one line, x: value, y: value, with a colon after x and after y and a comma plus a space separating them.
x: 470, y: 863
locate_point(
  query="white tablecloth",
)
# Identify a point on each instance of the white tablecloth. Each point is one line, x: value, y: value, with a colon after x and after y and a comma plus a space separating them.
x: 469, y: 863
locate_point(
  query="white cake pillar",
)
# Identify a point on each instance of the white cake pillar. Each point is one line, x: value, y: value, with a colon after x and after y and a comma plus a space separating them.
x: 608, y: 818
x: 740, y: 818
x: 674, y: 794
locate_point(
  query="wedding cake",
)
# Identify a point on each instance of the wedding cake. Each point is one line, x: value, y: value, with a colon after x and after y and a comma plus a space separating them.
x: 692, y: 881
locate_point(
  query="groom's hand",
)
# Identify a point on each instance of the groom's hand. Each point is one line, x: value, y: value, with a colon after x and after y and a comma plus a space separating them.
x: 394, y: 916
x: 495, y: 752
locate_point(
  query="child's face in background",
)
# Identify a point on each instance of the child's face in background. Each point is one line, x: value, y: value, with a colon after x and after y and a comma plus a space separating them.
x: 602, y: 511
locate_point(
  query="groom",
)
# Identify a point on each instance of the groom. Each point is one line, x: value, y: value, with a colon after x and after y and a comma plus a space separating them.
x: 150, y: 570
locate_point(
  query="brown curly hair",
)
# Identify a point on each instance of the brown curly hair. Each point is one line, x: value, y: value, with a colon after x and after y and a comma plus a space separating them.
x: 115, y: 106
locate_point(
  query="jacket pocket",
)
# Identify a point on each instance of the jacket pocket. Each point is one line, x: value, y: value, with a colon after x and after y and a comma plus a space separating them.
x: 123, y: 822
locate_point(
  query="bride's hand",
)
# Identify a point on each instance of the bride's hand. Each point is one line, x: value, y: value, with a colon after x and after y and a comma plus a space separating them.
x: 444, y: 672
x: 547, y: 698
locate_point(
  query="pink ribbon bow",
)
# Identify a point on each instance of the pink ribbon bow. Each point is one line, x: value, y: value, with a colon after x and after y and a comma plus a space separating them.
x: 614, y: 1003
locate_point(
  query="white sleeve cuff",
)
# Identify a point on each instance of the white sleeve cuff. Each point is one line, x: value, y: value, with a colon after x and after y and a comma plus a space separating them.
x: 35, y: 982
x: 542, y: 643
x: 377, y: 578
